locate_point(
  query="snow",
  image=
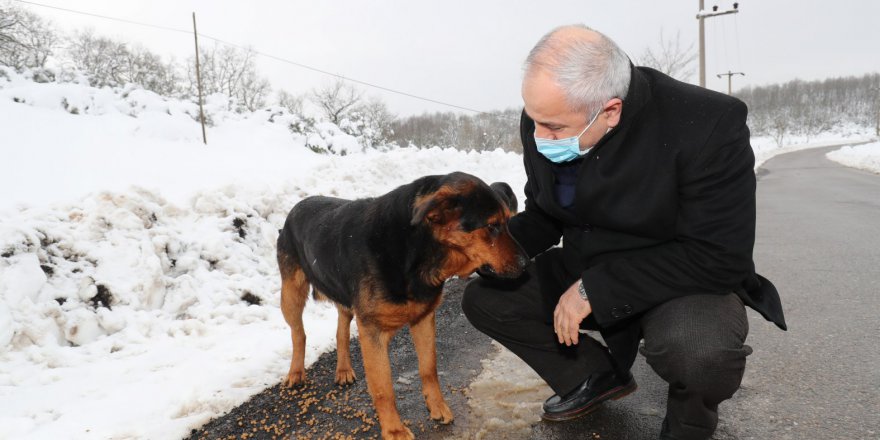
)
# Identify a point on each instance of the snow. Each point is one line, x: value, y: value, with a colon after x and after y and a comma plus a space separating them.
x: 865, y: 157
x: 127, y: 248
x: 766, y: 148
x: 123, y: 270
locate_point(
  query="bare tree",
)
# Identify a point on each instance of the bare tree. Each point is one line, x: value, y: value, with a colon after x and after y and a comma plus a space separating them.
x: 671, y: 57
x: 8, y: 21
x: 293, y: 103
x: 102, y: 59
x: 371, y: 122
x: 486, y: 131
x: 336, y: 100
x: 876, y: 90
x: 151, y: 71
x: 780, y: 126
x: 230, y: 71
x: 26, y: 40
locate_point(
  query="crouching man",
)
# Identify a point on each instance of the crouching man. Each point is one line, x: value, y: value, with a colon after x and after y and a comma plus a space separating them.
x: 649, y: 182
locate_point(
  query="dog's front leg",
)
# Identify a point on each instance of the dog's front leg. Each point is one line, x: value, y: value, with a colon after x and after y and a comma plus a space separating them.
x: 424, y: 338
x: 377, y: 368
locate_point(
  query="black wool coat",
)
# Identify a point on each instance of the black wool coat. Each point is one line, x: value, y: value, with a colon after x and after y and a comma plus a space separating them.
x: 664, y: 207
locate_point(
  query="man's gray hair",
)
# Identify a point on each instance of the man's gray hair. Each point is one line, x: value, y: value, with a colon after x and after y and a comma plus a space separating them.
x: 589, y: 71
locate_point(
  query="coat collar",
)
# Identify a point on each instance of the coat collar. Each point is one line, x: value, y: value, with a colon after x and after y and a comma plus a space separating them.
x: 638, y: 94
x: 637, y: 97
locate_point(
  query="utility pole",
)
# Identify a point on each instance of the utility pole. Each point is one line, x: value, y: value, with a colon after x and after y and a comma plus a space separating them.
x: 702, y: 15
x: 729, y: 75
x: 199, y: 81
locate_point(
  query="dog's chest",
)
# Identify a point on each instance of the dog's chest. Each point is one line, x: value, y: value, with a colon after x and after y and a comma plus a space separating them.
x: 392, y: 316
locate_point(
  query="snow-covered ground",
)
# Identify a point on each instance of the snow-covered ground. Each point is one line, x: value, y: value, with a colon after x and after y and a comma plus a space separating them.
x: 766, y: 148
x: 127, y: 311
x: 139, y: 295
x: 865, y: 157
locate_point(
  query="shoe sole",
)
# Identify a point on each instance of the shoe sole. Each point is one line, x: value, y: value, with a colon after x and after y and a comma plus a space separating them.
x: 612, y: 394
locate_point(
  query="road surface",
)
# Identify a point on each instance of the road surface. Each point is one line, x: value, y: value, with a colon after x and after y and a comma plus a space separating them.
x: 818, y: 239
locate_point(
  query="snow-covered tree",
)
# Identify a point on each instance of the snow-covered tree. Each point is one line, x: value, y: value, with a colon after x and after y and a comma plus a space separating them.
x: 232, y: 72
x: 293, y: 103
x: 336, y: 100
x: 26, y: 39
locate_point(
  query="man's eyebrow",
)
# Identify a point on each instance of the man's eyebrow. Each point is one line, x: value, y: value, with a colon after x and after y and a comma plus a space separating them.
x: 546, y: 124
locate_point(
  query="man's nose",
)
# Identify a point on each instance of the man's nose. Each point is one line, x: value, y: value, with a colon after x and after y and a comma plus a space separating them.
x: 544, y: 133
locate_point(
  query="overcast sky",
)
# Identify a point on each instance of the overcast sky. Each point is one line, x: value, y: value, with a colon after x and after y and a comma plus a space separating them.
x: 469, y: 53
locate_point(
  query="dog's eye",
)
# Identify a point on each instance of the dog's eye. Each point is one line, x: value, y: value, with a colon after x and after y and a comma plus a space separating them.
x: 494, y: 228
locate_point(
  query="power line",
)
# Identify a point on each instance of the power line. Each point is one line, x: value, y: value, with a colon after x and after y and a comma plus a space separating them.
x: 123, y: 20
x: 266, y: 55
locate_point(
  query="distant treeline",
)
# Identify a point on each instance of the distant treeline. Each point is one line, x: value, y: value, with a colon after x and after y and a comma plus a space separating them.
x: 811, y: 107
x: 480, y: 132
x: 804, y: 108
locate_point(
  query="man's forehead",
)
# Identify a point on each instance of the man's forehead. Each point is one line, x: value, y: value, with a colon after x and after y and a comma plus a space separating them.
x: 544, y: 100
x: 544, y: 120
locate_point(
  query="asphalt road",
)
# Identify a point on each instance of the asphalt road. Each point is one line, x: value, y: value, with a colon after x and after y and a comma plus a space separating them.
x: 818, y: 239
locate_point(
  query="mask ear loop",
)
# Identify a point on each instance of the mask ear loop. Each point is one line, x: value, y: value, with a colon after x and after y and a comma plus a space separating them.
x: 592, y: 121
x: 584, y: 152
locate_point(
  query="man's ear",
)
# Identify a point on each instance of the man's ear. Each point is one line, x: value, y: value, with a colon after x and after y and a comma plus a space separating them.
x: 613, y: 109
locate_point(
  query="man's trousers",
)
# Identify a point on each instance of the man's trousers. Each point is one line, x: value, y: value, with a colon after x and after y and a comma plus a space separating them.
x: 695, y: 343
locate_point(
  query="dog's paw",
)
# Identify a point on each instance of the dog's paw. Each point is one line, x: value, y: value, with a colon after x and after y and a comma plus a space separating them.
x: 440, y: 412
x: 345, y: 376
x: 295, y: 377
x: 398, y: 433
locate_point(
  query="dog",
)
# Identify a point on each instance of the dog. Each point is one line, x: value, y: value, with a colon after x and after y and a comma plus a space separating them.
x: 383, y: 261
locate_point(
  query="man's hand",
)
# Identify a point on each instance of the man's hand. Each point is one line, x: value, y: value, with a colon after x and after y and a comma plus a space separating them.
x: 570, y: 311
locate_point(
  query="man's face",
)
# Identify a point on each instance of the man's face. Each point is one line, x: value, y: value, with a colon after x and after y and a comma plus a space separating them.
x: 546, y: 105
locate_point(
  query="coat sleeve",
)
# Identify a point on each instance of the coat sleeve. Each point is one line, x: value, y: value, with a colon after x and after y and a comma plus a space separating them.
x: 533, y: 228
x: 714, y: 234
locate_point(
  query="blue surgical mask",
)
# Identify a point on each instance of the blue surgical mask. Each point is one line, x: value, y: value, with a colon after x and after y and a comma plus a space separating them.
x: 563, y: 150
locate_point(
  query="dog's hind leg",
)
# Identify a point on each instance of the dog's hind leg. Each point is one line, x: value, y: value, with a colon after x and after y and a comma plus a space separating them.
x: 344, y: 373
x: 424, y: 339
x: 294, y: 294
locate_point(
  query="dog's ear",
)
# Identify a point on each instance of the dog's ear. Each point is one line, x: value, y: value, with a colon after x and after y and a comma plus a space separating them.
x: 435, y: 208
x: 505, y: 192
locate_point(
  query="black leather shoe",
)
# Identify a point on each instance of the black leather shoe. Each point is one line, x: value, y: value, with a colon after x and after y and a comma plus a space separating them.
x: 586, y: 398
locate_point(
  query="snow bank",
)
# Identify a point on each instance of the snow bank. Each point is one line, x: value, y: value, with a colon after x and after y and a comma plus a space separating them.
x: 766, y: 148
x: 125, y: 295
x: 152, y: 304
x: 865, y: 157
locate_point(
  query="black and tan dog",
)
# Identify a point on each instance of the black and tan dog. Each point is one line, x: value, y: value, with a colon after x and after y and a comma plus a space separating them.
x: 383, y: 261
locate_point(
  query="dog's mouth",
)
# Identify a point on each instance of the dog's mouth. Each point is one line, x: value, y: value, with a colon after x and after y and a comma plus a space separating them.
x: 509, y: 271
x: 487, y: 268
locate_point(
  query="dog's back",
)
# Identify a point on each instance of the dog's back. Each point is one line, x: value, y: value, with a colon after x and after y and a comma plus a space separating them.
x: 319, y: 233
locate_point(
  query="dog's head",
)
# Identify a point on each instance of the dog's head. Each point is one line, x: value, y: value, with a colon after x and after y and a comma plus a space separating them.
x: 469, y: 220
